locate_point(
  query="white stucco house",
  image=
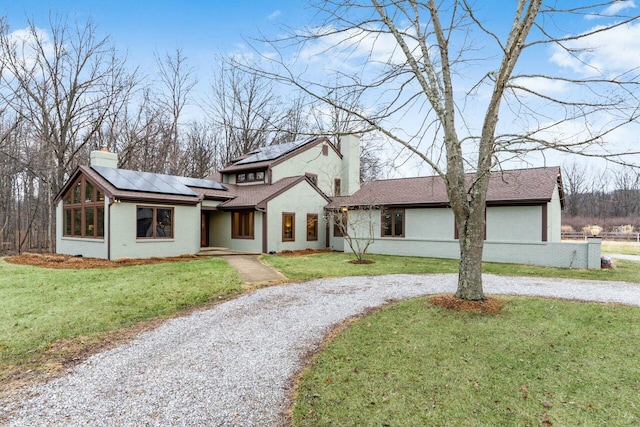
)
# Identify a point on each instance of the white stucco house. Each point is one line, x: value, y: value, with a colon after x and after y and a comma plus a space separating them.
x: 277, y: 198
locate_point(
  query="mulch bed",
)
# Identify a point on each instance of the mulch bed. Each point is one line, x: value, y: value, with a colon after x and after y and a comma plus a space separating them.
x: 68, y: 261
x: 450, y: 302
x: 302, y: 252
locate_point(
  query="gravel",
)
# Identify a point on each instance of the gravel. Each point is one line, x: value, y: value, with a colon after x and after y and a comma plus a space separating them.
x: 234, y: 365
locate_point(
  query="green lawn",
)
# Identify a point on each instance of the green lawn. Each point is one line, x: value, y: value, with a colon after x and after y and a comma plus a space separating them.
x: 538, y: 362
x: 336, y: 264
x: 40, y: 306
x: 618, y: 247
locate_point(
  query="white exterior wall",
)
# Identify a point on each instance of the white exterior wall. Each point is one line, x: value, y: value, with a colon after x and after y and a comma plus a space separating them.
x: 220, y: 233
x: 429, y: 233
x: 327, y: 168
x: 554, y: 218
x: 124, y: 244
x: 302, y: 200
x: 514, y: 223
x: 548, y: 254
x: 92, y: 248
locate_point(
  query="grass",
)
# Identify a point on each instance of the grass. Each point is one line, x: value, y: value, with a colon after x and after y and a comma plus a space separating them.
x: 617, y: 247
x: 537, y: 362
x: 40, y: 306
x: 336, y: 264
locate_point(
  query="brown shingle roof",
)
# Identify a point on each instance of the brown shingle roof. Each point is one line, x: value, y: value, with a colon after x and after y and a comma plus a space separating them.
x: 506, y: 187
x: 249, y: 196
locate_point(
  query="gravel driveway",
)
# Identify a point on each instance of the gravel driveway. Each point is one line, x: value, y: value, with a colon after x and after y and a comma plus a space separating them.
x: 234, y: 364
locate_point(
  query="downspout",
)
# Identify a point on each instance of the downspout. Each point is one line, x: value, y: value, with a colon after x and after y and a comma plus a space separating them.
x: 109, y: 228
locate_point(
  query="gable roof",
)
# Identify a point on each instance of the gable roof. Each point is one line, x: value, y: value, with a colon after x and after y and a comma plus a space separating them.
x: 150, y: 187
x: 257, y: 195
x: 508, y: 187
x: 266, y: 157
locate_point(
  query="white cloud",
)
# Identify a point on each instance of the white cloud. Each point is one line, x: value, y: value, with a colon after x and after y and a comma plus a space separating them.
x: 613, y: 9
x: 25, y: 41
x: 609, y: 52
x: 274, y: 15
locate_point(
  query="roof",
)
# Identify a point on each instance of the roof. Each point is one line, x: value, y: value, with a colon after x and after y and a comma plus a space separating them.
x: 265, y: 157
x: 124, y: 179
x: 257, y: 196
x: 519, y: 186
x: 145, y: 186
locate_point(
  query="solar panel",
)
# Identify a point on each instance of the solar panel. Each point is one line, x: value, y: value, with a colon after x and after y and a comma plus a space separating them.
x: 201, y: 183
x: 272, y: 151
x: 124, y: 179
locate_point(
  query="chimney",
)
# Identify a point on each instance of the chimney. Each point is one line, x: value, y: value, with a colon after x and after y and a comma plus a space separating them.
x: 104, y: 158
x: 350, y: 150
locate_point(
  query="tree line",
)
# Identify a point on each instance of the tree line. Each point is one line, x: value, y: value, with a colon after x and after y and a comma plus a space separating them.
x: 608, y: 198
x: 66, y: 91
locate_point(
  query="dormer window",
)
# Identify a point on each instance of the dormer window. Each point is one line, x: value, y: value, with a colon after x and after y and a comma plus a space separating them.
x: 257, y: 176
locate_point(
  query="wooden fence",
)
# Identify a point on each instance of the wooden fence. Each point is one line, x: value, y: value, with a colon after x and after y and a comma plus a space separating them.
x: 606, y: 235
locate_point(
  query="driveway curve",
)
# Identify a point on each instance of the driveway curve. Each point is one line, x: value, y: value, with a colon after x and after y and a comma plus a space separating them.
x: 234, y: 364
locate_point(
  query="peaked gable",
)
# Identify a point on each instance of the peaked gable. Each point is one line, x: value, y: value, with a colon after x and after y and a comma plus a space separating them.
x: 269, y: 156
x: 257, y: 196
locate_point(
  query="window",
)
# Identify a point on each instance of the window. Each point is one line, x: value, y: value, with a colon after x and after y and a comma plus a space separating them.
x: 242, y: 225
x: 339, y: 223
x: 83, y: 207
x: 288, y: 226
x: 393, y: 223
x: 312, y: 227
x: 250, y: 177
x: 154, y: 222
x: 325, y: 149
x: 336, y: 187
x: 312, y: 177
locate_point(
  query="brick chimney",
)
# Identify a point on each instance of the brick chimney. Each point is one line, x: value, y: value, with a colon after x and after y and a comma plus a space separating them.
x: 103, y: 157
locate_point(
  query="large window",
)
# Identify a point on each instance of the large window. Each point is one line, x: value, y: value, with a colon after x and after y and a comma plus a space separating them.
x: 312, y: 227
x: 154, y: 222
x: 288, y: 226
x: 393, y: 223
x: 83, y: 211
x: 242, y: 225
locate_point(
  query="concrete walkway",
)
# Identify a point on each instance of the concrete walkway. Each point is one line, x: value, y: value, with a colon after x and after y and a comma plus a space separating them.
x: 252, y: 270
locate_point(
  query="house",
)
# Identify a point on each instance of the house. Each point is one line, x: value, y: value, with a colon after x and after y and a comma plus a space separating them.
x: 279, y: 197
x: 269, y: 200
x: 411, y: 216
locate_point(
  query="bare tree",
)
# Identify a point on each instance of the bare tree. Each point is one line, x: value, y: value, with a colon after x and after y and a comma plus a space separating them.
x: 575, y: 185
x: 177, y: 80
x: 63, y: 82
x: 418, y: 58
x: 244, y: 106
x: 356, y: 226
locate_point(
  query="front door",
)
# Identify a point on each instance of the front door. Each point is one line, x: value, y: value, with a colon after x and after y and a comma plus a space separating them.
x: 204, y: 229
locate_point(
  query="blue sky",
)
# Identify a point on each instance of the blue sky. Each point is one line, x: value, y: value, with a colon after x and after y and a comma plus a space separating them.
x: 204, y: 29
